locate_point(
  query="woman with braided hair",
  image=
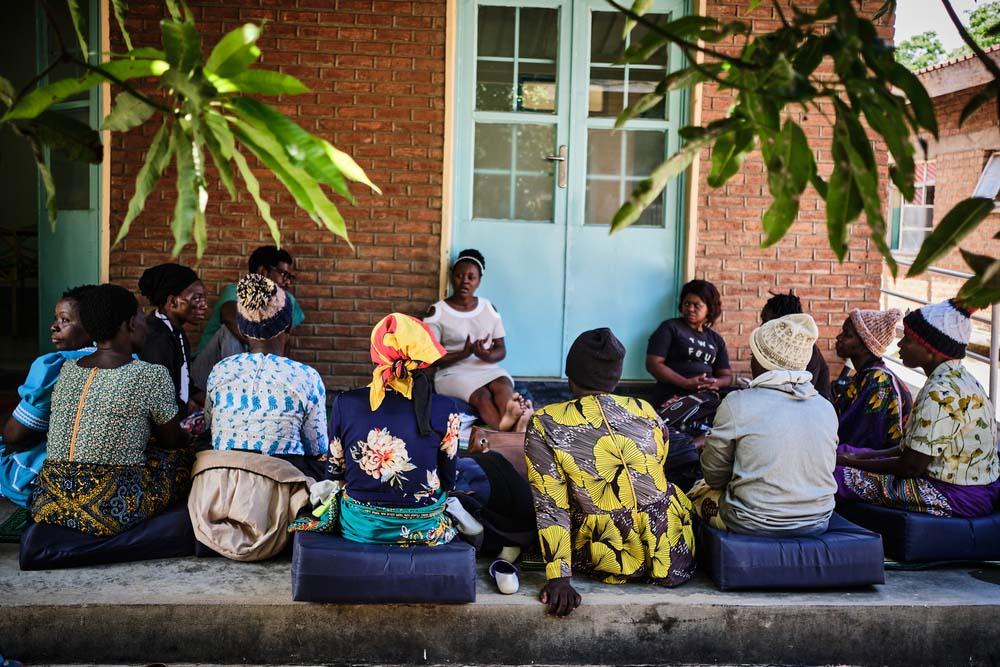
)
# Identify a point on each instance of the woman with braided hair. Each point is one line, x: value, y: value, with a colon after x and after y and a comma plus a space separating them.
x: 781, y: 304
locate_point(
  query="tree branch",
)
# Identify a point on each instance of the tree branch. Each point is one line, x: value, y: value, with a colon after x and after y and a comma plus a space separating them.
x: 100, y: 71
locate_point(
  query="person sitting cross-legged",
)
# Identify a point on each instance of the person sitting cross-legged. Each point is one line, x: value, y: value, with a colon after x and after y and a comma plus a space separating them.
x: 946, y: 463
x: 595, y: 464
x: 768, y: 460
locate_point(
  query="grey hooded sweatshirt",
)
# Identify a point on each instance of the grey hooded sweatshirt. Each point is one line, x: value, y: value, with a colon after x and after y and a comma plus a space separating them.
x: 772, y: 449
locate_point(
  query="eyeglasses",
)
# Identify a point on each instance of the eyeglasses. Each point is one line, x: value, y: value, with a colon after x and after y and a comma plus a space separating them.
x: 197, y: 299
x: 287, y: 276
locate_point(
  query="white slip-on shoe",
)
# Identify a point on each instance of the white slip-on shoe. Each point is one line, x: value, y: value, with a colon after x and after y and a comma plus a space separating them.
x: 505, y: 575
x: 465, y: 522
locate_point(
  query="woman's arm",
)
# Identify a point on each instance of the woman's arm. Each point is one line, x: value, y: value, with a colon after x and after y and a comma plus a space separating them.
x: 658, y: 368
x: 495, y: 353
x: 908, y: 465
x: 170, y: 435
x: 17, y: 437
x: 723, y: 377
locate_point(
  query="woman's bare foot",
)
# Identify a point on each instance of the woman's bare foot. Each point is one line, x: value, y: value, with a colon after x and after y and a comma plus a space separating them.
x: 525, y: 419
x: 512, y: 414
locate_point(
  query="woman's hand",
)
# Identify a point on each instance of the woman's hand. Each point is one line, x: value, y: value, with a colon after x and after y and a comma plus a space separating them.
x: 560, y: 596
x: 698, y: 383
x: 469, y: 349
x: 480, y: 349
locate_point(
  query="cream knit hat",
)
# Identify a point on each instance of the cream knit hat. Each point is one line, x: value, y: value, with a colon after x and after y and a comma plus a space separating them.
x: 785, y: 343
x: 876, y: 328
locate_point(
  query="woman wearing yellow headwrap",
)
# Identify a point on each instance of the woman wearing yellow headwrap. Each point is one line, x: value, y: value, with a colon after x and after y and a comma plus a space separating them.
x: 393, y: 445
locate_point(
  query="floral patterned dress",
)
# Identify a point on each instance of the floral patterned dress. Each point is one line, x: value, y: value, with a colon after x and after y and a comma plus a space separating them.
x: 873, y: 408
x: 953, y: 421
x: 388, y: 469
x: 603, y: 504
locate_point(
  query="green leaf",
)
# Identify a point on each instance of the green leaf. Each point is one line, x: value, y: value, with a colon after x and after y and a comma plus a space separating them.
x: 79, y: 19
x: 47, y: 181
x: 754, y: 4
x: 145, y: 53
x: 42, y: 98
x: 915, y: 92
x: 187, y: 197
x: 182, y: 44
x: 649, y: 189
x: 985, y: 95
x: 983, y: 289
x: 219, y: 157
x: 888, y: 7
x: 779, y: 218
x: 195, y: 88
x: 128, y: 112
x: 7, y: 92
x: 74, y: 138
x: 654, y: 40
x: 236, y: 51
x: 120, y: 8
x: 808, y: 57
x: 175, y: 13
x: 302, y: 148
x: 261, y: 82
x: 683, y: 78
x: 843, y: 206
x: 954, y: 226
x: 157, y: 159
x: 728, y: 154
x: 639, y: 7
x: 253, y: 187
x: 818, y: 183
x: 348, y: 167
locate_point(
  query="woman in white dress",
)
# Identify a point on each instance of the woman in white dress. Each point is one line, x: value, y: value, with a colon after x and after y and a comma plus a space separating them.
x: 470, y: 329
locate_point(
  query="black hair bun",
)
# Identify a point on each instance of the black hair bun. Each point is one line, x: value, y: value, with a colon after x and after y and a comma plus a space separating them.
x: 472, y: 254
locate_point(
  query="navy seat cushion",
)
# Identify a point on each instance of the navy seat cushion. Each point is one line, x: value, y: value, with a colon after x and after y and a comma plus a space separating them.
x: 328, y: 568
x: 47, y: 547
x: 845, y: 555
x: 915, y: 537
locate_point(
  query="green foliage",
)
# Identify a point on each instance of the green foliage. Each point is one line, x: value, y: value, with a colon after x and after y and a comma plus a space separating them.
x: 920, y: 51
x: 829, y: 62
x: 983, y: 25
x: 205, y: 111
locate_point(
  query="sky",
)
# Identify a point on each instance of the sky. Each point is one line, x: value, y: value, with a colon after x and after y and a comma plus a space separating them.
x: 916, y: 16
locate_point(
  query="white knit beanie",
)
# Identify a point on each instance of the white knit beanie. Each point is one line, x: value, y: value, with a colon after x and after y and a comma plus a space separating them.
x: 943, y: 327
x: 785, y: 343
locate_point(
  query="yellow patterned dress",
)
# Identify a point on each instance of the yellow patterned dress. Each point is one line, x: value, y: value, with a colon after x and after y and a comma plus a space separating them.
x: 603, y: 504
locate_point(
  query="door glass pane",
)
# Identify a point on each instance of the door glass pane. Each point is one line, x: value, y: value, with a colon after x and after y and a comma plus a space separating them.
x: 616, y: 163
x: 512, y: 178
x: 72, y: 177
x: 517, y: 59
x: 63, y: 23
x: 612, y: 87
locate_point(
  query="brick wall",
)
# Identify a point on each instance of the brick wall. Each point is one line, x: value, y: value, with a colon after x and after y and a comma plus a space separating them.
x: 729, y: 229
x: 376, y: 70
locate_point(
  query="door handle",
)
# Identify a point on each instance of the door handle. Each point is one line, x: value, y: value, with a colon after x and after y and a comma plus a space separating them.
x: 561, y: 158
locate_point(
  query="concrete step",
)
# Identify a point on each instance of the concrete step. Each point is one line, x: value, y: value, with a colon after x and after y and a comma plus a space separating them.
x: 213, y: 610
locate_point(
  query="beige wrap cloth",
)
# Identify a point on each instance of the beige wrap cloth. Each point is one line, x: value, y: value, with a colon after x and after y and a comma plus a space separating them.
x: 241, y: 503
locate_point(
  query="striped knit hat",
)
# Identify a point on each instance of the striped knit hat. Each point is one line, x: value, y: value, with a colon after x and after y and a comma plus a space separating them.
x: 876, y: 328
x: 263, y: 310
x: 943, y: 328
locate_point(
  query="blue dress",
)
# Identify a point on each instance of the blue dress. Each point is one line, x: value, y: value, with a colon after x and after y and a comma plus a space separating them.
x: 19, y: 469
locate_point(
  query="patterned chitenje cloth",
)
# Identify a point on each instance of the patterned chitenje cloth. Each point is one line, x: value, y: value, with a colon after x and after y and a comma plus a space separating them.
x: 400, y: 345
x: 407, y: 526
x: 705, y: 503
x: 873, y: 408
x: 603, y: 504
x: 916, y: 494
x: 106, y: 500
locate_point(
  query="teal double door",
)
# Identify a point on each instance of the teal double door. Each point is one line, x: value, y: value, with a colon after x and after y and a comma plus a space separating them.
x: 540, y: 172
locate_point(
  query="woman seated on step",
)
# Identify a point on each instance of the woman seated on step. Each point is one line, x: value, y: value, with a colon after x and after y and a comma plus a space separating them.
x: 604, y: 507
x: 768, y: 460
x: 946, y: 463
x: 261, y: 401
x: 782, y: 304
x: 472, y: 333
x: 687, y: 357
x: 393, y: 444
x: 179, y: 299
x: 22, y: 450
x: 874, y: 405
x: 101, y: 475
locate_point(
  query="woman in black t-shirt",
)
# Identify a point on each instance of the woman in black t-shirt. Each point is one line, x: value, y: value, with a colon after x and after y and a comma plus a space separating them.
x: 685, y: 355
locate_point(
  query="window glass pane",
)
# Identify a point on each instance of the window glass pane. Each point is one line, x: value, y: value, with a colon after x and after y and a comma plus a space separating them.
x: 63, y: 23
x: 603, y: 199
x: 538, y: 86
x: 606, y: 42
x: 639, y: 33
x: 495, y: 86
x: 644, y: 151
x: 513, y: 180
x: 642, y: 81
x: 71, y: 176
x: 607, y: 91
x: 539, y: 33
x: 496, y: 31
x: 604, y: 156
x: 929, y: 195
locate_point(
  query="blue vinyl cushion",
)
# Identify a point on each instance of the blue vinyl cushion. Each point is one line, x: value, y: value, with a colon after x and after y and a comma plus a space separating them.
x: 47, y: 547
x: 328, y: 568
x: 914, y: 537
x: 845, y: 555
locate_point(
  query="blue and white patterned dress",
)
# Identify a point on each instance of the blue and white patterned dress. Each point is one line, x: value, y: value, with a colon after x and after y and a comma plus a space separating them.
x: 267, y: 404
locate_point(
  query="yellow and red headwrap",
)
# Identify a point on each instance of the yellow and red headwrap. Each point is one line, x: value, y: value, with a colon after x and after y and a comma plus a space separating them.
x: 400, y: 345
